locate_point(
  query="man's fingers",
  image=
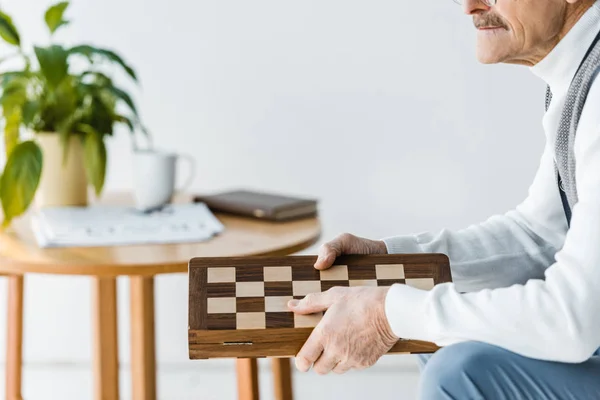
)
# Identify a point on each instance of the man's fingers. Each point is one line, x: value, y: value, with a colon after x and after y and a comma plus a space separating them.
x: 341, y: 368
x: 328, y: 253
x: 310, y: 351
x: 325, y: 259
x: 312, y: 303
x: 325, y: 363
x: 347, y: 243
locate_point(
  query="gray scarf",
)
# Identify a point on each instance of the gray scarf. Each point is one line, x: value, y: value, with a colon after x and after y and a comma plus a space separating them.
x: 564, y: 166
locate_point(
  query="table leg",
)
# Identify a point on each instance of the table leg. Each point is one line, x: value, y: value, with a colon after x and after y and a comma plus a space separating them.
x: 143, y: 359
x: 282, y: 378
x: 14, y: 342
x: 106, y: 354
x: 247, y: 379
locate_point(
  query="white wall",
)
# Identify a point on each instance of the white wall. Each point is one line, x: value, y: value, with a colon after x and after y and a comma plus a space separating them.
x: 379, y: 108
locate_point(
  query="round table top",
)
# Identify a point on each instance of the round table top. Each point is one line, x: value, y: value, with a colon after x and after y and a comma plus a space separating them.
x: 242, y: 236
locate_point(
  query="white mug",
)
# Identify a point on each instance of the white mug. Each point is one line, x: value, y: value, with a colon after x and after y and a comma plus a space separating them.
x: 154, y: 177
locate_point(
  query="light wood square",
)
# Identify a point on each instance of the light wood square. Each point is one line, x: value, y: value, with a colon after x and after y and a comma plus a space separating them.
x: 277, y: 274
x: 390, y: 271
x: 421, y: 283
x: 307, y: 321
x: 219, y: 275
x: 223, y: 305
x: 250, y: 289
x: 302, y: 288
x: 250, y: 320
x: 363, y: 282
x: 277, y: 303
x: 335, y: 273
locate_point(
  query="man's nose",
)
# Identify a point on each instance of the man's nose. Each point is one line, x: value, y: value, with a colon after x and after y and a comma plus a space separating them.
x: 471, y: 7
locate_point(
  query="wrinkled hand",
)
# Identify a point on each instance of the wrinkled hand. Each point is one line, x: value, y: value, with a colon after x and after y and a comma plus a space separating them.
x: 346, y: 243
x: 353, y: 333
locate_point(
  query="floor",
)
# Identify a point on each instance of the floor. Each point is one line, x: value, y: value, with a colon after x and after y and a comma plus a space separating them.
x: 393, y: 378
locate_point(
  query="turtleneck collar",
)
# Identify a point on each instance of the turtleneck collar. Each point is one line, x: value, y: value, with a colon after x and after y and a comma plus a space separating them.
x: 559, y: 66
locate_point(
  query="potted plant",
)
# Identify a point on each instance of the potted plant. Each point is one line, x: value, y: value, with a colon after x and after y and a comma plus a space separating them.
x: 56, y: 118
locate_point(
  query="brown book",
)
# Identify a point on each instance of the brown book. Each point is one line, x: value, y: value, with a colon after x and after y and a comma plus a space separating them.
x: 257, y: 204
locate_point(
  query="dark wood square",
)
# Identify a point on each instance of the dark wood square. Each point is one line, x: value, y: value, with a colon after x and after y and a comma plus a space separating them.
x: 414, y: 270
x: 221, y: 321
x: 299, y: 297
x: 305, y: 273
x: 278, y: 288
x: 280, y: 320
x: 251, y: 273
x: 220, y: 289
x: 389, y: 282
x: 326, y: 285
x: 361, y: 272
x: 250, y: 304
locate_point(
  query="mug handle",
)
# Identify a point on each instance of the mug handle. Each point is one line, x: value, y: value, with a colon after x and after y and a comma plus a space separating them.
x: 192, y: 168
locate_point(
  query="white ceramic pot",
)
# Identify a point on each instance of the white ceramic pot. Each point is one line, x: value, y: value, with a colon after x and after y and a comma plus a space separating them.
x: 62, y: 183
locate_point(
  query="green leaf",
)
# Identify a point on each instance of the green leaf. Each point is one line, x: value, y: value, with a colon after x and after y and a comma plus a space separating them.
x: 9, y: 76
x: 13, y: 98
x: 14, y: 94
x: 20, y: 179
x: 54, y: 16
x: 145, y: 131
x: 97, y: 108
x: 96, y: 79
x: 63, y: 129
x: 90, y: 52
x: 124, y: 120
x: 94, y: 152
x: 11, y: 130
x: 8, y: 31
x: 64, y: 22
x: 53, y: 63
x: 125, y: 97
x: 31, y: 109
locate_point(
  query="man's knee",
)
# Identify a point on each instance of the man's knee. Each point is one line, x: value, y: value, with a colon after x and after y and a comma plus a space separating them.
x: 459, y: 371
x: 422, y: 360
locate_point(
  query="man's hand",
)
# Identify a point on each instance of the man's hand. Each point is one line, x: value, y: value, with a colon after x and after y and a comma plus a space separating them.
x: 347, y: 243
x: 353, y: 333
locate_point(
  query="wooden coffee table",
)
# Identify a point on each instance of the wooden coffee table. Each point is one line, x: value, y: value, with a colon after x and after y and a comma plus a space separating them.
x: 19, y: 255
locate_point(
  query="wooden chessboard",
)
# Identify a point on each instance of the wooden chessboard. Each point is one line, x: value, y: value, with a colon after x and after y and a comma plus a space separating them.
x: 238, y: 305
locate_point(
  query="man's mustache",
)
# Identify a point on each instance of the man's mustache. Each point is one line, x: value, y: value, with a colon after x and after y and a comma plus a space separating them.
x: 488, y: 20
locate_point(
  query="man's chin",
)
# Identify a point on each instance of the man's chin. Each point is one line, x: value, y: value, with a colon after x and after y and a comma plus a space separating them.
x: 492, y: 47
x: 488, y: 56
x: 487, y: 60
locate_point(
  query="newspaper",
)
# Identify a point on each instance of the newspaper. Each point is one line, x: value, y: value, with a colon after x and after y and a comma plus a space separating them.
x: 106, y: 225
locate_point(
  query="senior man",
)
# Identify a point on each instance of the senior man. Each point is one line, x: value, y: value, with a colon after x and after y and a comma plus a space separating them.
x: 522, y: 318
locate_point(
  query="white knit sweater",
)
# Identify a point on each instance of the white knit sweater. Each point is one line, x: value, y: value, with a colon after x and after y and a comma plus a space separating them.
x: 533, y: 285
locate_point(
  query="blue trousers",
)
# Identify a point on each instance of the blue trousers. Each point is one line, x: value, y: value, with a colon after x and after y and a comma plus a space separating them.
x: 479, y: 371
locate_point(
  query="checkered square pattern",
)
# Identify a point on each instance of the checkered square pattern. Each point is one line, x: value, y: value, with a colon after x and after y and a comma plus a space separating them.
x: 256, y: 297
